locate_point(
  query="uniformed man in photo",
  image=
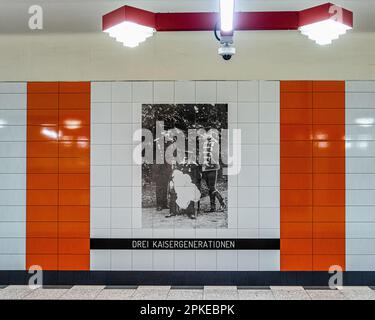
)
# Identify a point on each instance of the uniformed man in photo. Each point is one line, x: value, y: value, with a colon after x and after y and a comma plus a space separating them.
x: 210, y: 169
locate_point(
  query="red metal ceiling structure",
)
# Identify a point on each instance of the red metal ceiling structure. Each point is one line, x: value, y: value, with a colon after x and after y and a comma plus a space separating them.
x: 206, y: 21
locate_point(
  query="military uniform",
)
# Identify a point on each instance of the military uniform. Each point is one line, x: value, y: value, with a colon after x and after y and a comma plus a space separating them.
x: 210, y: 170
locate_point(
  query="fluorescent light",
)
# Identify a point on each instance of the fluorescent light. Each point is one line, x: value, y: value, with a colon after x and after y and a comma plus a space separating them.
x: 324, y: 32
x: 130, y: 34
x: 226, y: 15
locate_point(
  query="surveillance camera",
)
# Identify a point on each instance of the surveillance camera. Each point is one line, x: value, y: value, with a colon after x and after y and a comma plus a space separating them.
x: 227, y: 51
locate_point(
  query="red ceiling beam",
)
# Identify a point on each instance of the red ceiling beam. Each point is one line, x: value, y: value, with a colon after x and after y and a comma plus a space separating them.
x: 206, y: 21
x: 283, y: 20
x: 186, y: 21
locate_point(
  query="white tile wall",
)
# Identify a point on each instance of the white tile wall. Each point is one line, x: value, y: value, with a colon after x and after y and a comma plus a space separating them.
x: 12, y: 175
x: 360, y: 175
x: 13, y: 87
x: 248, y: 260
x: 163, y: 92
x: 163, y: 260
x: 253, y: 106
x: 100, y: 260
x: 269, y: 260
x: 206, y: 260
x: 121, y: 92
x: 206, y: 91
x: 184, y: 92
x: 121, y: 260
x: 248, y: 91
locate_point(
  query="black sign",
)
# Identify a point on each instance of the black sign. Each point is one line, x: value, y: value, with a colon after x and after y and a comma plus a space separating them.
x: 184, y: 244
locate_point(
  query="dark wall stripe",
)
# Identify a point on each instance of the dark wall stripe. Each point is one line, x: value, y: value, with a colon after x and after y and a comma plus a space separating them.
x: 192, y: 278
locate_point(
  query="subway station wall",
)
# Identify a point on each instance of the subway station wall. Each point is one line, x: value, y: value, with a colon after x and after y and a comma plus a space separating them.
x: 307, y: 182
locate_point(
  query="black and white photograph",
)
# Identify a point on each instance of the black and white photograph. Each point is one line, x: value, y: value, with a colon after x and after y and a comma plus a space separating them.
x: 184, y: 179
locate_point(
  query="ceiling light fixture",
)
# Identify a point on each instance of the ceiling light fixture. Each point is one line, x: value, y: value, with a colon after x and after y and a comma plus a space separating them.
x: 129, y: 33
x: 130, y: 26
x: 325, y: 23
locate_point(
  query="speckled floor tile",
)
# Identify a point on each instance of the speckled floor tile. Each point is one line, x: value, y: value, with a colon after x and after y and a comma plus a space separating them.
x: 185, y: 294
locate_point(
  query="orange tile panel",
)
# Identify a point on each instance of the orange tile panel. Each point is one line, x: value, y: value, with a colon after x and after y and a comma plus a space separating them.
x: 42, y: 87
x: 329, y: 116
x: 295, y: 198
x: 296, y: 181
x: 42, y: 181
x: 329, y: 230
x: 329, y: 165
x: 329, y: 86
x: 296, y: 149
x: 329, y: 100
x: 295, y: 262
x: 328, y: 132
x: 42, y: 117
x: 72, y: 118
x: 42, y: 197
x: 329, y: 246
x: 79, y: 134
x: 329, y: 181
x: 294, y: 132
x: 74, y: 213
x: 329, y: 149
x: 296, y: 214
x: 46, y: 149
x: 74, y: 149
x: 74, y: 165
x: 296, y: 86
x: 42, y: 213
x: 74, y: 181
x: 41, y: 229
x: 42, y: 133
x: 75, y: 87
x: 329, y: 214
x: 74, y: 230
x: 74, y: 262
x: 45, y: 261
x: 74, y: 197
x: 296, y: 165
x: 74, y: 101
x: 329, y: 198
x: 42, y: 165
x: 41, y: 245
x: 74, y: 246
x: 296, y: 100
x: 325, y: 262
x: 296, y: 230
x: 296, y: 116
x: 37, y: 101
x: 296, y: 246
